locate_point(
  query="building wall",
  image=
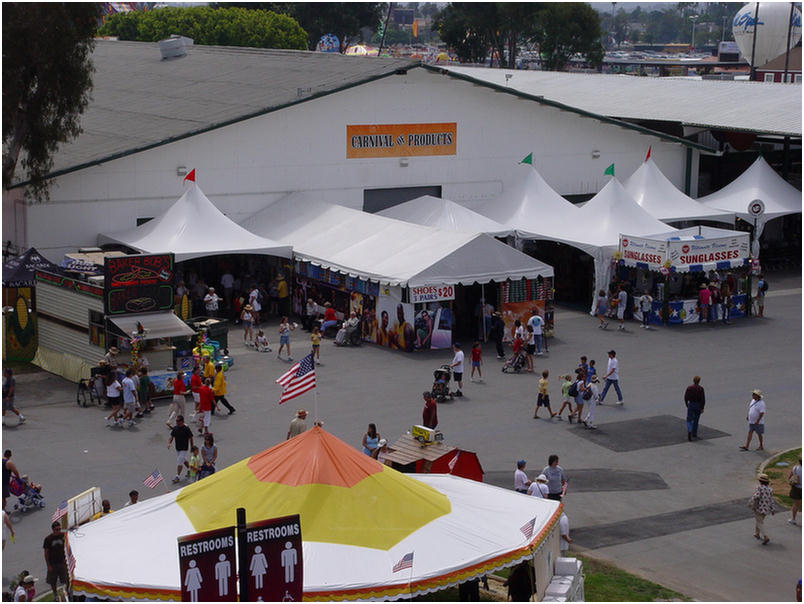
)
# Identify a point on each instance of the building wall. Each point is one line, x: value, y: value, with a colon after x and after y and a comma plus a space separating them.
x: 244, y: 166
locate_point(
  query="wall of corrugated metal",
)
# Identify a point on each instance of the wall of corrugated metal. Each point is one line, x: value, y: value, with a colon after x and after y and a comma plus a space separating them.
x: 69, y: 341
x: 65, y: 304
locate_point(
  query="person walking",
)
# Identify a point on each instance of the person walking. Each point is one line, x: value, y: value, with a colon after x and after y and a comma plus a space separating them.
x: 56, y: 560
x: 694, y: 399
x: 285, y: 327
x: 794, y: 478
x: 645, y: 306
x: 725, y: 300
x: 247, y: 320
x: 704, y: 301
x: 543, y: 396
x: 477, y: 361
x: 195, y: 388
x: 601, y: 308
x: 8, y: 529
x: 591, y: 395
x: 430, y: 411
x: 254, y: 302
x: 762, y: 288
x: 114, y: 397
x: 530, y: 346
x: 130, y: 397
x: 756, y: 419
x: 206, y: 398
x: 556, y: 479
x: 576, y: 391
x: 497, y: 332
x: 209, y: 456
x: 566, y: 399
x: 184, y: 440
x: 762, y: 504
x: 177, y: 406
x: 622, y: 302
x: 521, y: 482
x: 537, y: 323
x: 9, y: 470
x: 612, y: 378
x: 298, y: 424
x: 219, y: 389
x: 457, y: 368
x: 9, y: 389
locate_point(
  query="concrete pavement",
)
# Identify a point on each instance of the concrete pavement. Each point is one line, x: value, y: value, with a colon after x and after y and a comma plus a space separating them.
x: 643, y: 530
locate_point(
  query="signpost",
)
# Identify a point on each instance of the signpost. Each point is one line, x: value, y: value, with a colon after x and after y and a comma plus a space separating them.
x: 273, y: 559
x: 138, y: 283
x: 208, y: 567
x: 756, y: 208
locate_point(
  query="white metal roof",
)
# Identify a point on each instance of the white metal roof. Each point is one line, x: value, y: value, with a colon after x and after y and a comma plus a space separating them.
x: 728, y: 105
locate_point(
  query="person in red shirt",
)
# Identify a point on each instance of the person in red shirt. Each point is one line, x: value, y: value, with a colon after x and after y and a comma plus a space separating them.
x: 330, y: 318
x: 477, y: 360
x: 206, y: 398
x: 177, y: 406
x: 517, y: 345
x: 195, y: 385
x: 429, y: 413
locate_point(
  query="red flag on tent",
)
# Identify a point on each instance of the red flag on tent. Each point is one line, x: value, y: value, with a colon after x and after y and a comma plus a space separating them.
x: 191, y: 175
x: 647, y: 157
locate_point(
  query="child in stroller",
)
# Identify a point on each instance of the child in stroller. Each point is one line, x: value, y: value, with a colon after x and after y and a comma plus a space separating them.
x: 442, y: 377
x: 29, y: 494
x: 517, y: 360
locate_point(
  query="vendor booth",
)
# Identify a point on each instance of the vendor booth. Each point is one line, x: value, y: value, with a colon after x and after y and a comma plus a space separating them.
x: 450, y: 529
x: 672, y: 268
x: 409, y: 454
x: 412, y: 286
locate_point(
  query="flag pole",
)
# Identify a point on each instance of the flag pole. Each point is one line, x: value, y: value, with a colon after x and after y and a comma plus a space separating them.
x: 315, y: 404
x: 410, y: 579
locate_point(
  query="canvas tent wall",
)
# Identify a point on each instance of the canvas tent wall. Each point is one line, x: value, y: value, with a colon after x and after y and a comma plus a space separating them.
x: 446, y: 215
x: 654, y: 192
x: 193, y: 228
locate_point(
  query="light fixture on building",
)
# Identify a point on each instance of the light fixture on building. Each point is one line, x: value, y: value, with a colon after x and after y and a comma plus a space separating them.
x: 181, y: 171
x: 403, y: 162
x: 595, y: 154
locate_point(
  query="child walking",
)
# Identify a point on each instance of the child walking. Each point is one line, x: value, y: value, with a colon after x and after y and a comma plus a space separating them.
x: 284, y: 337
x: 543, y: 398
x: 566, y: 399
x: 315, y: 338
x: 195, y: 464
x: 477, y: 360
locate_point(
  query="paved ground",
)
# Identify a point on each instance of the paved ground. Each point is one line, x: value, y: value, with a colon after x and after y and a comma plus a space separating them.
x: 640, y: 495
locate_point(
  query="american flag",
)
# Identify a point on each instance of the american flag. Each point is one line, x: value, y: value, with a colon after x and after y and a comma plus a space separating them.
x: 527, y: 528
x: 405, y: 562
x: 153, y: 479
x: 70, y: 557
x: 61, y: 510
x: 299, y: 379
x: 453, y: 461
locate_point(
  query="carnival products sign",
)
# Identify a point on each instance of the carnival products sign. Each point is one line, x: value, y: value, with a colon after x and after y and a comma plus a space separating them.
x: 703, y: 251
x: 643, y: 251
x: 138, y: 283
x: 432, y: 293
x: 400, y: 140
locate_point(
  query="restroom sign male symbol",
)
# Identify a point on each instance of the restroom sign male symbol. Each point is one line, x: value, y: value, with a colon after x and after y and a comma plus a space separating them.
x: 207, y: 566
x: 275, y: 561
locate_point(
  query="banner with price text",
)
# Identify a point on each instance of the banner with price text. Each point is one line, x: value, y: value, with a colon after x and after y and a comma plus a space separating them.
x: 432, y: 293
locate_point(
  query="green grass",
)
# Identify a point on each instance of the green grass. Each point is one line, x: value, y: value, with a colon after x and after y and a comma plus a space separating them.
x: 778, y: 476
x: 605, y: 582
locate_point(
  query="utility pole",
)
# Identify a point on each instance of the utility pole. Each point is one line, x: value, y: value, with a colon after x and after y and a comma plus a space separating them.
x: 694, y: 18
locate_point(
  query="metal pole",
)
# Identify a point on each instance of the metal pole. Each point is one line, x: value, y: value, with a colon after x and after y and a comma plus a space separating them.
x: 754, y: 44
x: 787, y: 48
x: 483, y: 311
x: 242, y: 562
x: 385, y: 29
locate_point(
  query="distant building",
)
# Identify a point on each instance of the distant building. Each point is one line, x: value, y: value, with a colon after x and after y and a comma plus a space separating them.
x: 773, y: 70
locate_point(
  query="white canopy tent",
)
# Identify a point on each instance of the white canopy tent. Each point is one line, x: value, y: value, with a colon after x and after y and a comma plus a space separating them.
x: 654, y: 192
x: 192, y: 228
x: 446, y: 215
x: 389, y: 251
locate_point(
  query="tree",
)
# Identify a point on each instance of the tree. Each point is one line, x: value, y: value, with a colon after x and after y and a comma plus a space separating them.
x: 209, y: 26
x: 565, y: 29
x: 47, y: 79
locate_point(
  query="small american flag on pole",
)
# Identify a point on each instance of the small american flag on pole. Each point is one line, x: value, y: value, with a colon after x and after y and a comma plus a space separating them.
x: 405, y: 562
x: 527, y: 528
x: 70, y: 557
x: 299, y: 379
x: 61, y: 510
x: 153, y: 479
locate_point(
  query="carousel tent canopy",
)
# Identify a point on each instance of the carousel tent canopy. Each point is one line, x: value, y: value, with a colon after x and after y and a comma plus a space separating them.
x: 456, y: 528
x: 21, y: 270
x: 654, y: 192
x: 530, y: 206
x: 759, y: 181
x: 390, y: 251
x: 192, y: 228
x: 446, y: 215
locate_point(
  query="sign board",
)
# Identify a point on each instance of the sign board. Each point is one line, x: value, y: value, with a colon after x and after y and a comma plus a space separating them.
x: 643, y: 251
x: 208, y: 566
x: 704, y: 251
x: 275, y: 560
x: 756, y: 208
x: 139, y: 283
x: 400, y: 140
x: 432, y: 293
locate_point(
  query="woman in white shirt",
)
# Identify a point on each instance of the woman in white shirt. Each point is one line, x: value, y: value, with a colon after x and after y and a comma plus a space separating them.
x: 594, y: 390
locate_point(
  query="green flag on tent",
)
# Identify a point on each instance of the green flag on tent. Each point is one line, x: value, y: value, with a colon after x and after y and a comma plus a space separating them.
x: 528, y: 159
x: 610, y: 170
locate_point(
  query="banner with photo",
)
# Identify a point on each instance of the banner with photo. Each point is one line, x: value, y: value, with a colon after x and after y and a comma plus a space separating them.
x: 511, y: 311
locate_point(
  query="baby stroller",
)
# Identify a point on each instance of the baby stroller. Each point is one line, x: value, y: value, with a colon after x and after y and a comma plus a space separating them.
x: 515, y: 363
x: 442, y: 377
x: 29, y: 494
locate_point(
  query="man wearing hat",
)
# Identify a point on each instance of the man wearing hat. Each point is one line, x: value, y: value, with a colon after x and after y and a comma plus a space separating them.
x: 111, y: 357
x: 756, y: 419
x: 762, y: 504
x: 26, y: 590
x: 298, y: 424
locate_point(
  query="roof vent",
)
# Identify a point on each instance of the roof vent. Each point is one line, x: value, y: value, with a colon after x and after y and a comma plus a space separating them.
x: 174, y: 47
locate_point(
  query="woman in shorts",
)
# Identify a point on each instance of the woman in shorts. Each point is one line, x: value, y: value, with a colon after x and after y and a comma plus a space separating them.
x: 114, y: 394
x: 601, y: 307
x: 795, y: 490
x: 248, y: 321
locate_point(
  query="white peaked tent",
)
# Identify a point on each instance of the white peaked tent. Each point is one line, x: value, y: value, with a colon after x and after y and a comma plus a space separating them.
x: 759, y: 181
x: 192, y: 228
x: 530, y: 206
x: 445, y: 214
x: 389, y: 251
x: 660, y: 198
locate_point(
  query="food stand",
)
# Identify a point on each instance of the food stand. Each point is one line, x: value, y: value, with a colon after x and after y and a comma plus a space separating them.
x: 408, y: 454
x: 672, y: 266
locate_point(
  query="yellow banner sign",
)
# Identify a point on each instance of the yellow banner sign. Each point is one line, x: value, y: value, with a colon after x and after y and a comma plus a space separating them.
x: 400, y: 140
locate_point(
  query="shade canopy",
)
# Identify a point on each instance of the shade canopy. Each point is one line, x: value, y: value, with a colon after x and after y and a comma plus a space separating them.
x: 157, y: 325
x: 759, y: 181
x: 654, y: 192
x: 389, y: 251
x: 446, y: 215
x: 358, y: 518
x: 193, y: 228
x: 20, y: 271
